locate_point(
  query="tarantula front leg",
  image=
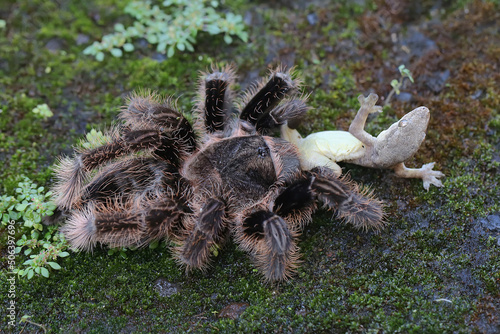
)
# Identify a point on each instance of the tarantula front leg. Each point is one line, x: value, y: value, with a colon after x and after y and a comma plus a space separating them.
x: 290, y: 111
x: 215, y: 104
x: 270, y: 241
x: 261, y: 110
x: 72, y: 173
x: 206, y: 229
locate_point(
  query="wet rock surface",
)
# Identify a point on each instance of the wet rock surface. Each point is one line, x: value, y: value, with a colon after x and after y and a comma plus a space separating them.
x: 233, y: 311
x: 166, y: 288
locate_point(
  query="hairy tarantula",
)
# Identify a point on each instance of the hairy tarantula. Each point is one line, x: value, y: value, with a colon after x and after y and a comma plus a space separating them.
x: 160, y: 177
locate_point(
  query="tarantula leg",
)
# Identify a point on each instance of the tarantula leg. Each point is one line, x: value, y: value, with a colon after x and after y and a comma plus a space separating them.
x: 130, y: 142
x: 266, y: 96
x: 292, y: 111
x: 355, y: 206
x: 216, y: 95
x: 267, y: 237
x: 296, y: 203
x: 206, y: 233
x: 163, y: 219
x: 116, y: 228
x: 162, y: 145
x: 151, y: 111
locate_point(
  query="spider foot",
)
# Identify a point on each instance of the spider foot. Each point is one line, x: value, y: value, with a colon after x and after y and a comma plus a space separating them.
x: 270, y: 241
x: 206, y: 232
x: 85, y: 228
x: 71, y: 175
x: 259, y: 102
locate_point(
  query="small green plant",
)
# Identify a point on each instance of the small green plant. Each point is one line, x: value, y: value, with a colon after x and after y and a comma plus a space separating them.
x: 26, y: 319
x: 42, y: 245
x: 175, y: 26
x: 94, y: 138
x: 43, y: 111
x: 397, y: 84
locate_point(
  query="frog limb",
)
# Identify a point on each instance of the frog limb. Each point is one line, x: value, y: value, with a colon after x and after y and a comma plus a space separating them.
x: 357, y: 128
x: 425, y: 173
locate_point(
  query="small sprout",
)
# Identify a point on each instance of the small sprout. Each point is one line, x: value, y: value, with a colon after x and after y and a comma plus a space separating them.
x: 94, y: 139
x: 405, y: 72
x: 43, y: 111
x: 398, y: 84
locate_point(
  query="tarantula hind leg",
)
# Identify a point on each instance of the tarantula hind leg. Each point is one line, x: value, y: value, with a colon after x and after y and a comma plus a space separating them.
x: 267, y: 237
x: 355, y: 206
x: 206, y: 231
x: 122, y: 225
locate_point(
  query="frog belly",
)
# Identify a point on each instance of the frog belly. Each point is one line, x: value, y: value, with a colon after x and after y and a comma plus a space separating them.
x: 335, y: 145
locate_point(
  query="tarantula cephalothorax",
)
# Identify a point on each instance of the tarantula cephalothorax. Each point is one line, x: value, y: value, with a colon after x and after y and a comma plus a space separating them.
x: 193, y: 187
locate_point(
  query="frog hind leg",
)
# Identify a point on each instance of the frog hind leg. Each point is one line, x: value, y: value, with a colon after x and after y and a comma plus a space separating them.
x: 425, y: 173
x: 310, y: 160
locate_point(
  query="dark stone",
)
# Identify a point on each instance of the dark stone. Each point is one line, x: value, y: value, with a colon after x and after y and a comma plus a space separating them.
x: 491, y: 222
x: 159, y: 57
x: 54, y: 45
x: 404, y: 97
x: 165, y: 288
x: 82, y: 39
x: 233, y: 311
x: 312, y: 19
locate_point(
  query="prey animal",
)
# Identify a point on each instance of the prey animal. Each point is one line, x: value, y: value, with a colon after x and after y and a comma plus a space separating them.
x: 159, y: 177
x: 390, y: 149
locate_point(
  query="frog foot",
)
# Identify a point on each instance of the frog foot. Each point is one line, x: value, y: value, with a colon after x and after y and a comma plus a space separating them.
x: 425, y: 173
x: 430, y: 176
x: 368, y: 103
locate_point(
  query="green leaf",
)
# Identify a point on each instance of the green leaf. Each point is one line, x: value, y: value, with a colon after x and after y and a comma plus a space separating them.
x: 116, y: 52
x: 119, y: 27
x: 22, y: 206
x: 170, y: 51
x: 128, y: 47
x: 228, y: 39
x: 45, y: 272
x: 99, y: 56
x: 154, y: 244
x: 63, y: 254
x: 54, y: 265
x: 30, y: 273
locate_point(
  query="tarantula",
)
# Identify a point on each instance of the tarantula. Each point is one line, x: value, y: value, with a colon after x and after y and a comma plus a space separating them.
x: 160, y: 177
